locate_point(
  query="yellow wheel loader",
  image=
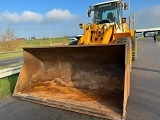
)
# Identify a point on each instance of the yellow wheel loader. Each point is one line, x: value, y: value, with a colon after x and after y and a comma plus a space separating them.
x: 91, y: 77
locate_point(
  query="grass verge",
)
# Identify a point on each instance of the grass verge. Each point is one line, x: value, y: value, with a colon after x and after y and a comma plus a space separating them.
x: 43, y: 42
x: 33, y: 43
x: 11, y: 55
x: 7, y: 85
x: 140, y: 38
x: 158, y: 38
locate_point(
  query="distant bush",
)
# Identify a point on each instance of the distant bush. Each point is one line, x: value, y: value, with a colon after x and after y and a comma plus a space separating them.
x: 10, y: 45
x: 8, y: 41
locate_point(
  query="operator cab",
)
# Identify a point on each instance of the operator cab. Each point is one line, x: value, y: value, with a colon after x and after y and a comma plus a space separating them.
x: 107, y: 12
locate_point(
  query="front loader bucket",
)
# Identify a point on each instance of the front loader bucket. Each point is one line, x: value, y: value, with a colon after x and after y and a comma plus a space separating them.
x: 93, y: 80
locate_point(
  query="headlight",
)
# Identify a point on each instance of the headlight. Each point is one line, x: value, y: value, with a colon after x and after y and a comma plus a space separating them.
x: 105, y: 27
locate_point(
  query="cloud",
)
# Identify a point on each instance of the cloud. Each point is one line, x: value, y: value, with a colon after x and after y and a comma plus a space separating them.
x: 33, y: 17
x: 148, y: 17
x: 28, y: 16
x: 52, y: 23
x: 10, y: 17
x: 58, y: 14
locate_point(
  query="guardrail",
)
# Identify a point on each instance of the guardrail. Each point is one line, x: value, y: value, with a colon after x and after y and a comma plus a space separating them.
x: 9, y: 71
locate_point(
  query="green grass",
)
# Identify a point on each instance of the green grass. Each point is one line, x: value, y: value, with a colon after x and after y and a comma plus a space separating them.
x: 43, y: 42
x: 35, y: 43
x: 140, y: 38
x: 7, y: 85
x: 11, y: 55
x: 158, y: 38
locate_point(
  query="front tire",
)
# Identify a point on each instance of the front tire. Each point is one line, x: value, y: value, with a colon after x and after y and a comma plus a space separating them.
x: 127, y: 41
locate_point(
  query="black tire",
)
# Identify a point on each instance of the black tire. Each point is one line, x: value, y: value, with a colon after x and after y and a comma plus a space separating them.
x: 73, y: 43
x: 126, y: 40
x: 134, y: 48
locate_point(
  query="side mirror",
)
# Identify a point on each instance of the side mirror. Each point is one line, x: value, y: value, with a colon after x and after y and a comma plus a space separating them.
x: 89, y: 11
x: 126, y: 5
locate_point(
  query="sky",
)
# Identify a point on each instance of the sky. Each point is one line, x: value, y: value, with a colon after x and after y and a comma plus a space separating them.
x: 57, y: 18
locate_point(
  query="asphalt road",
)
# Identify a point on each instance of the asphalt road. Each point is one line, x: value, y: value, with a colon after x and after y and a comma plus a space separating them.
x: 143, y: 103
x: 144, y: 100
x: 11, y: 61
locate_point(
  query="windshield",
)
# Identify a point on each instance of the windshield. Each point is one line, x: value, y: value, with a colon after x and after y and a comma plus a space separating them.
x: 105, y: 13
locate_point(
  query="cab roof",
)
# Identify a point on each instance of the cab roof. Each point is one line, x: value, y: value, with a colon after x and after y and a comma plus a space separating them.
x: 106, y: 2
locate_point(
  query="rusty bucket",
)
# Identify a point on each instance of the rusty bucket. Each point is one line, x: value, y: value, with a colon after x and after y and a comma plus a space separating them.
x: 91, y: 79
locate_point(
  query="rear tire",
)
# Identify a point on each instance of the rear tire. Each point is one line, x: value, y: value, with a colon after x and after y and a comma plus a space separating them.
x: 134, y: 49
